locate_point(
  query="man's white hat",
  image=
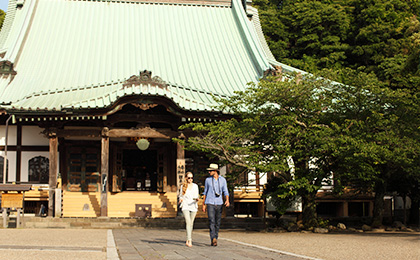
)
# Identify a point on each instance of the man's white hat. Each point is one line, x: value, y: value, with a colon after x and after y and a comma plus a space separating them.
x: 213, y: 167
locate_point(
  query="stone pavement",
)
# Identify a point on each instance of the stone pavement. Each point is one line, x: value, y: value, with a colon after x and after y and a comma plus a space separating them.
x: 133, y: 244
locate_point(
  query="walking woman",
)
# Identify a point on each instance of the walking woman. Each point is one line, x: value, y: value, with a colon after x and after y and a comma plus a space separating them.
x: 188, y: 198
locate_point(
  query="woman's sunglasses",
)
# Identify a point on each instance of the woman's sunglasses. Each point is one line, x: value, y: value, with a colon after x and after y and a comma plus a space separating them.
x: 189, y: 177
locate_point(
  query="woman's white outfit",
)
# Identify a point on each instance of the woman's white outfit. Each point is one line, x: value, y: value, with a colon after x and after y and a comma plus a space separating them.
x: 189, y: 207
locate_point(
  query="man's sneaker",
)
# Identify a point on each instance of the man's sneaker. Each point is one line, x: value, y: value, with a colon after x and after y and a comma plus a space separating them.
x: 214, y: 242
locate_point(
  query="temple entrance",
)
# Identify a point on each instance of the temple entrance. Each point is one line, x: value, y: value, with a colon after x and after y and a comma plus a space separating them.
x: 139, y: 170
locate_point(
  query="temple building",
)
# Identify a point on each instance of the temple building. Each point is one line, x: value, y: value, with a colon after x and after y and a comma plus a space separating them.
x: 93, y: 91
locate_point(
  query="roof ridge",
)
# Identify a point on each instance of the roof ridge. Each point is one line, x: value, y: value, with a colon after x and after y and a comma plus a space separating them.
x: 115, y: 91
x: 220, y: 3
x: 7, y: 24
x: 107, y: 84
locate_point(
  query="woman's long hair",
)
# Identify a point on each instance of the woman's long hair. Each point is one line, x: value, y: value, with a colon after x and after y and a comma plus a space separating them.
x: 185, y: 183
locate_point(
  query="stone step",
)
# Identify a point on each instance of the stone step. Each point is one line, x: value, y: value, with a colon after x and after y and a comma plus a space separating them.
x: 168, y: 223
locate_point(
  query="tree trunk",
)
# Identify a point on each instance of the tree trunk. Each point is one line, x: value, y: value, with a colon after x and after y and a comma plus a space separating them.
x: 378, y: 207
x: 405, y: 209
x: 309, y: 217
x: 415, y: 205
x: 415, y: 212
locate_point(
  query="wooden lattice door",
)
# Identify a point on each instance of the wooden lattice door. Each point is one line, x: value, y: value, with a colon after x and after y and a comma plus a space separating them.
x: 83, y: 169
x: 162, y: 176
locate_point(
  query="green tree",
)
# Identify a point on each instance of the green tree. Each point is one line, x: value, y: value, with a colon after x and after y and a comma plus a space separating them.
x: 378, y: 39
x: 380, y: 144
x: 365, y: 134
x: 306, y: 34
x: 2, y: 16
x: 370, y: 36
x: 271, y: 130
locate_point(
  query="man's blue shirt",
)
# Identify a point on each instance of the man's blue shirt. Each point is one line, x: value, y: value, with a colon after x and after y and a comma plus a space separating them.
x: 212, y: 186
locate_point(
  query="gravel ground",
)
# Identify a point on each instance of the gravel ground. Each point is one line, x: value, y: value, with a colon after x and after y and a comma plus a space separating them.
x: 369, y: 245
x: 53, y: 244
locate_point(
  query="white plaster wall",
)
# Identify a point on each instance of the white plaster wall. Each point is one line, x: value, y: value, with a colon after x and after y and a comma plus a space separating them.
x: 11, y: 135
x: 31, y: 135
x: 263, y: 178
x: 251, y: 178
x: 399, y: 202
x: 11, y: 158
x: 26, y: 156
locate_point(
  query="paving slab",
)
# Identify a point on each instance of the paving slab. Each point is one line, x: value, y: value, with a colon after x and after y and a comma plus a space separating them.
x: 170, y: 244
x: 336, y: 245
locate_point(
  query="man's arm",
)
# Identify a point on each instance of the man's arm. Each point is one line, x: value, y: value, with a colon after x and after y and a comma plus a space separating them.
x: 204, y: 203
x: 227, y: 203
x: 206, y: 187
x: 226, y: 193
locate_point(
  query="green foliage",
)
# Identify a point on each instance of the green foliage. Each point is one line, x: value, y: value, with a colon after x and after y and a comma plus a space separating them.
x: 381, y: 141
x: 379, y: 40
x: 293, y: 124
x: 2, y: 16
x: 366, y: 134
x: 381, y: 36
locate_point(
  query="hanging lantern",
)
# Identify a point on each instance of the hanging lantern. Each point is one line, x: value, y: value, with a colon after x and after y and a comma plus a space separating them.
x: 143, y: 144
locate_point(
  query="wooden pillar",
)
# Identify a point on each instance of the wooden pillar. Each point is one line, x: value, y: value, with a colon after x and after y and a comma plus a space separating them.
x: 18, y: 152
x: 53, y: 171
x: 371, y: 205
x: 345, y: 209
x: 104, y: 171
x: 5, y: 225
x: 257, y: 181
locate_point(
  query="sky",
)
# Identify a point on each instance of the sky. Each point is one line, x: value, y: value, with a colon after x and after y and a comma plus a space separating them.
x: 3, y: 4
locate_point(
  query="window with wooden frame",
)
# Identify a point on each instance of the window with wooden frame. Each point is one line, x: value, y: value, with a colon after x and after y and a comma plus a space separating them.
x: 38, y: 169
x: 2, y: 168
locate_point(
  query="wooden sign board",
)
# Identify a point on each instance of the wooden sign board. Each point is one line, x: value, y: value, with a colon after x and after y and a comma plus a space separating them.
x: 12, y: 200
x: 180, y: 172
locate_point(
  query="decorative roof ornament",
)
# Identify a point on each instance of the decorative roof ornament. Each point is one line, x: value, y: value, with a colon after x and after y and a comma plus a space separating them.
x: 6, y: 68
x: 276, y: 71
x: 145, y: 78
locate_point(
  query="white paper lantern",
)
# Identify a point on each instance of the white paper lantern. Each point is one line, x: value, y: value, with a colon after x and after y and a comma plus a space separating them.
x: 143, y: 144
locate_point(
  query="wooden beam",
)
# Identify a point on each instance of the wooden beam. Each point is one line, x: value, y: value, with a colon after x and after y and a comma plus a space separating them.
x: 78, y: 133
x: 145, y: 132
x: 104, y: 173
x: 53, y: 172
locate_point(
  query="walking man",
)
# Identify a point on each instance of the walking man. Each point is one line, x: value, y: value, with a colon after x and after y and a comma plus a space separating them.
x: 214, y: 189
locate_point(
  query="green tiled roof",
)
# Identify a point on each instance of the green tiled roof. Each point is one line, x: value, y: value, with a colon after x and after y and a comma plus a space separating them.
x: 75, y: 55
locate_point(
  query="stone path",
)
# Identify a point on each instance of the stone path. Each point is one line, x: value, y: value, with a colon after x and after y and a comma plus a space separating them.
x: 170, y: 244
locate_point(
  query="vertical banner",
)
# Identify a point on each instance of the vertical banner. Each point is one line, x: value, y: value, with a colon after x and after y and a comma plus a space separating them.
x: 180, y: 172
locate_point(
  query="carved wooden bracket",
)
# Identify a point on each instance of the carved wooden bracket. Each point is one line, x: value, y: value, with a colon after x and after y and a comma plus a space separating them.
x: 50, y: 132
x: 105, y: 132
x: 145, y: 78
x: 144, y: 106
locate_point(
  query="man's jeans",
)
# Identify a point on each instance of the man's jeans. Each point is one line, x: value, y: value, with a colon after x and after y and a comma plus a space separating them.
x: 214, y: 213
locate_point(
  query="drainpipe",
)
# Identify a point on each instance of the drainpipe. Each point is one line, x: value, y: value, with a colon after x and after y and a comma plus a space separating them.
x: 5, y: 150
